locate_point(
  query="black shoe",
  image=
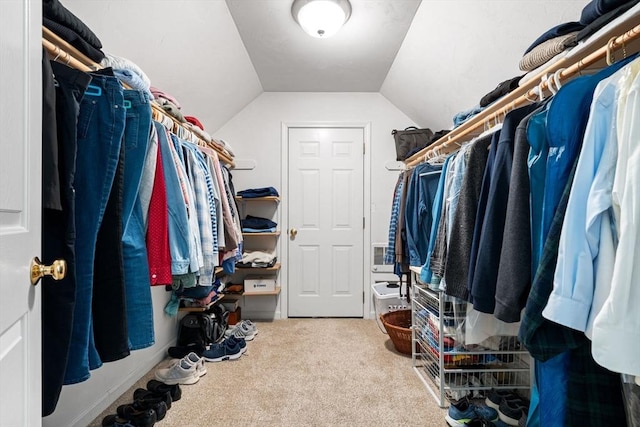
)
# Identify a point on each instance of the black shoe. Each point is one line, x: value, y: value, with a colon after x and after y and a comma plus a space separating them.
x: 480, y: 422
x: 143, y: 395
x: 496, y: 396
x: 135, y: 418
x: 178, y: 352
x: 160, y: 387
x: 510, y: 412
x: 130, y: 411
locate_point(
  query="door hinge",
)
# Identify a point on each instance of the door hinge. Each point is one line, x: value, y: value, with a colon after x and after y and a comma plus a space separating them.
x: 363, y: 219
x: 363, y: 297
x: 364, y: 148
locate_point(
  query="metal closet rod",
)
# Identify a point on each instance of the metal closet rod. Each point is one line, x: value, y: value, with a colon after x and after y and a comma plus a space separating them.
x: 65, y: 53
x: 523, y: 95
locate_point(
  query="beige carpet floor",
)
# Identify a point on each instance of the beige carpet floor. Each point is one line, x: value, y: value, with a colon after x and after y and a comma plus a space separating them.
x: 306, y: 372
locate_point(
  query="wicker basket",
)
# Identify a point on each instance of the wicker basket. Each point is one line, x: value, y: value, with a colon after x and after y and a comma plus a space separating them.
x: 398, y: 326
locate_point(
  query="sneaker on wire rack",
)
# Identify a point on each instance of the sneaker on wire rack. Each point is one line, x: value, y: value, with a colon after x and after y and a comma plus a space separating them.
x: 511, y: 412
x: 496, y: 396
x: 463, y: 412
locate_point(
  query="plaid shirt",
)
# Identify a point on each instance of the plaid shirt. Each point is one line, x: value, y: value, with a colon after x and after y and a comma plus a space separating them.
x: 545, y: 339
x: 196, y: 173
x: 390, y: 255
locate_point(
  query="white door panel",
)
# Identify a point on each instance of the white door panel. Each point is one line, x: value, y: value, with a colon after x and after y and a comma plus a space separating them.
x: 326, y: 208
x: 20, y: 175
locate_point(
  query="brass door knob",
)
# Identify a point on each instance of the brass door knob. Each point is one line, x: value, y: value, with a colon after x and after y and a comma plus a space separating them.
x: 57, y: 270
x: 293, y: 233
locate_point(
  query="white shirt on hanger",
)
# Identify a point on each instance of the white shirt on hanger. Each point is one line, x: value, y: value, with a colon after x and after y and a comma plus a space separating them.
x: 616, y: 329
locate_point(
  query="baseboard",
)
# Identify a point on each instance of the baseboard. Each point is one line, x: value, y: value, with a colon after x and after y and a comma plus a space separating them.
x: 110, y: 396
x: 260, y: 315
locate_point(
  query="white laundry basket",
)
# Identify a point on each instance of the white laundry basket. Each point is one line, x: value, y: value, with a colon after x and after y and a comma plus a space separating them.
x: 386, y: 298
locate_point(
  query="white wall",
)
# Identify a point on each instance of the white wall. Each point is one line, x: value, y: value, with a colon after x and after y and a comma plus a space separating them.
x: 81, y: 403
x: 255, y: 133
x: 457, y: 51
x: 191, y: 49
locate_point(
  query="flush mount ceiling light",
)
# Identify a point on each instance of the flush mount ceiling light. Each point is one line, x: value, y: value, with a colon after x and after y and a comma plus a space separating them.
x: 321, y: 18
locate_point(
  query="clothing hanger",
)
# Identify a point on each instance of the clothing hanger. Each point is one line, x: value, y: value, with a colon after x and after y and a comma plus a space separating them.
x: 609, y: 55
x: 58, y: 53
x: 556, y: 79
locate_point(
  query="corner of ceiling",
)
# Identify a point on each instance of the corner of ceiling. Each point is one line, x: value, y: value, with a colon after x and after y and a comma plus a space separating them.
x: 396, y: 85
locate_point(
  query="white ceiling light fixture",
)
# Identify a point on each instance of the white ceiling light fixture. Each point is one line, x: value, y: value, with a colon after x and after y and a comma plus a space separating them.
x: 321, y: 18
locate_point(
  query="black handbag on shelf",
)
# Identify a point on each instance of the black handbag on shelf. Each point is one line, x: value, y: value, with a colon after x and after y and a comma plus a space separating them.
x: 410, y: 140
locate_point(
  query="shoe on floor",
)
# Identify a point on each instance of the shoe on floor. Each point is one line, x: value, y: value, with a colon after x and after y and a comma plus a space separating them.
x: 178, y: 352
x: 159, y: 387
x: 233, y: 339
x: 243, y: 329
x: 182, y: 372
x: 129, y: 411
x: 198, y: 361
x: 252, y: 326
x: 115, y: 421
x: 142, y: 394
x: 134, y: 419
x: 222, y: 351
x: 463, y: 412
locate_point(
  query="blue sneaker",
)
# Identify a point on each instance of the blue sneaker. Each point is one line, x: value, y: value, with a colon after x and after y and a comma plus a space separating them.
x: 222, y: 351
x: 240, y: 341
x: 463, y: 412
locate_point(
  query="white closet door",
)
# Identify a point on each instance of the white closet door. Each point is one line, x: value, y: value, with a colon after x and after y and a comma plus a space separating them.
x: 20, y: 175
x: 326, y: 217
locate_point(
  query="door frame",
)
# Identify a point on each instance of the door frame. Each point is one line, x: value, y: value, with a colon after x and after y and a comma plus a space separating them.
x: 284, y: 208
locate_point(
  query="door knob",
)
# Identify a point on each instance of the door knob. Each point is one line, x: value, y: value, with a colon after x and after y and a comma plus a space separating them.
x: 57, y: 270
x: 293, y: 233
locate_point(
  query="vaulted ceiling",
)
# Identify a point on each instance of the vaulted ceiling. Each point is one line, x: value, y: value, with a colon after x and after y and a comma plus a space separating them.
x: 356, y: 59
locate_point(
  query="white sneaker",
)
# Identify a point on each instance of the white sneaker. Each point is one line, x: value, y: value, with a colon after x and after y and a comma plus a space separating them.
x: 194, y: 359
x: 252, y: 326
x: 183, y: 372
x: 240, y: 330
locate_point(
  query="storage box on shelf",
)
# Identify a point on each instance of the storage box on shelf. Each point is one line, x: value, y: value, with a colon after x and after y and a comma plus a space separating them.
x: 259, y: 285
x: 451, y: 370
